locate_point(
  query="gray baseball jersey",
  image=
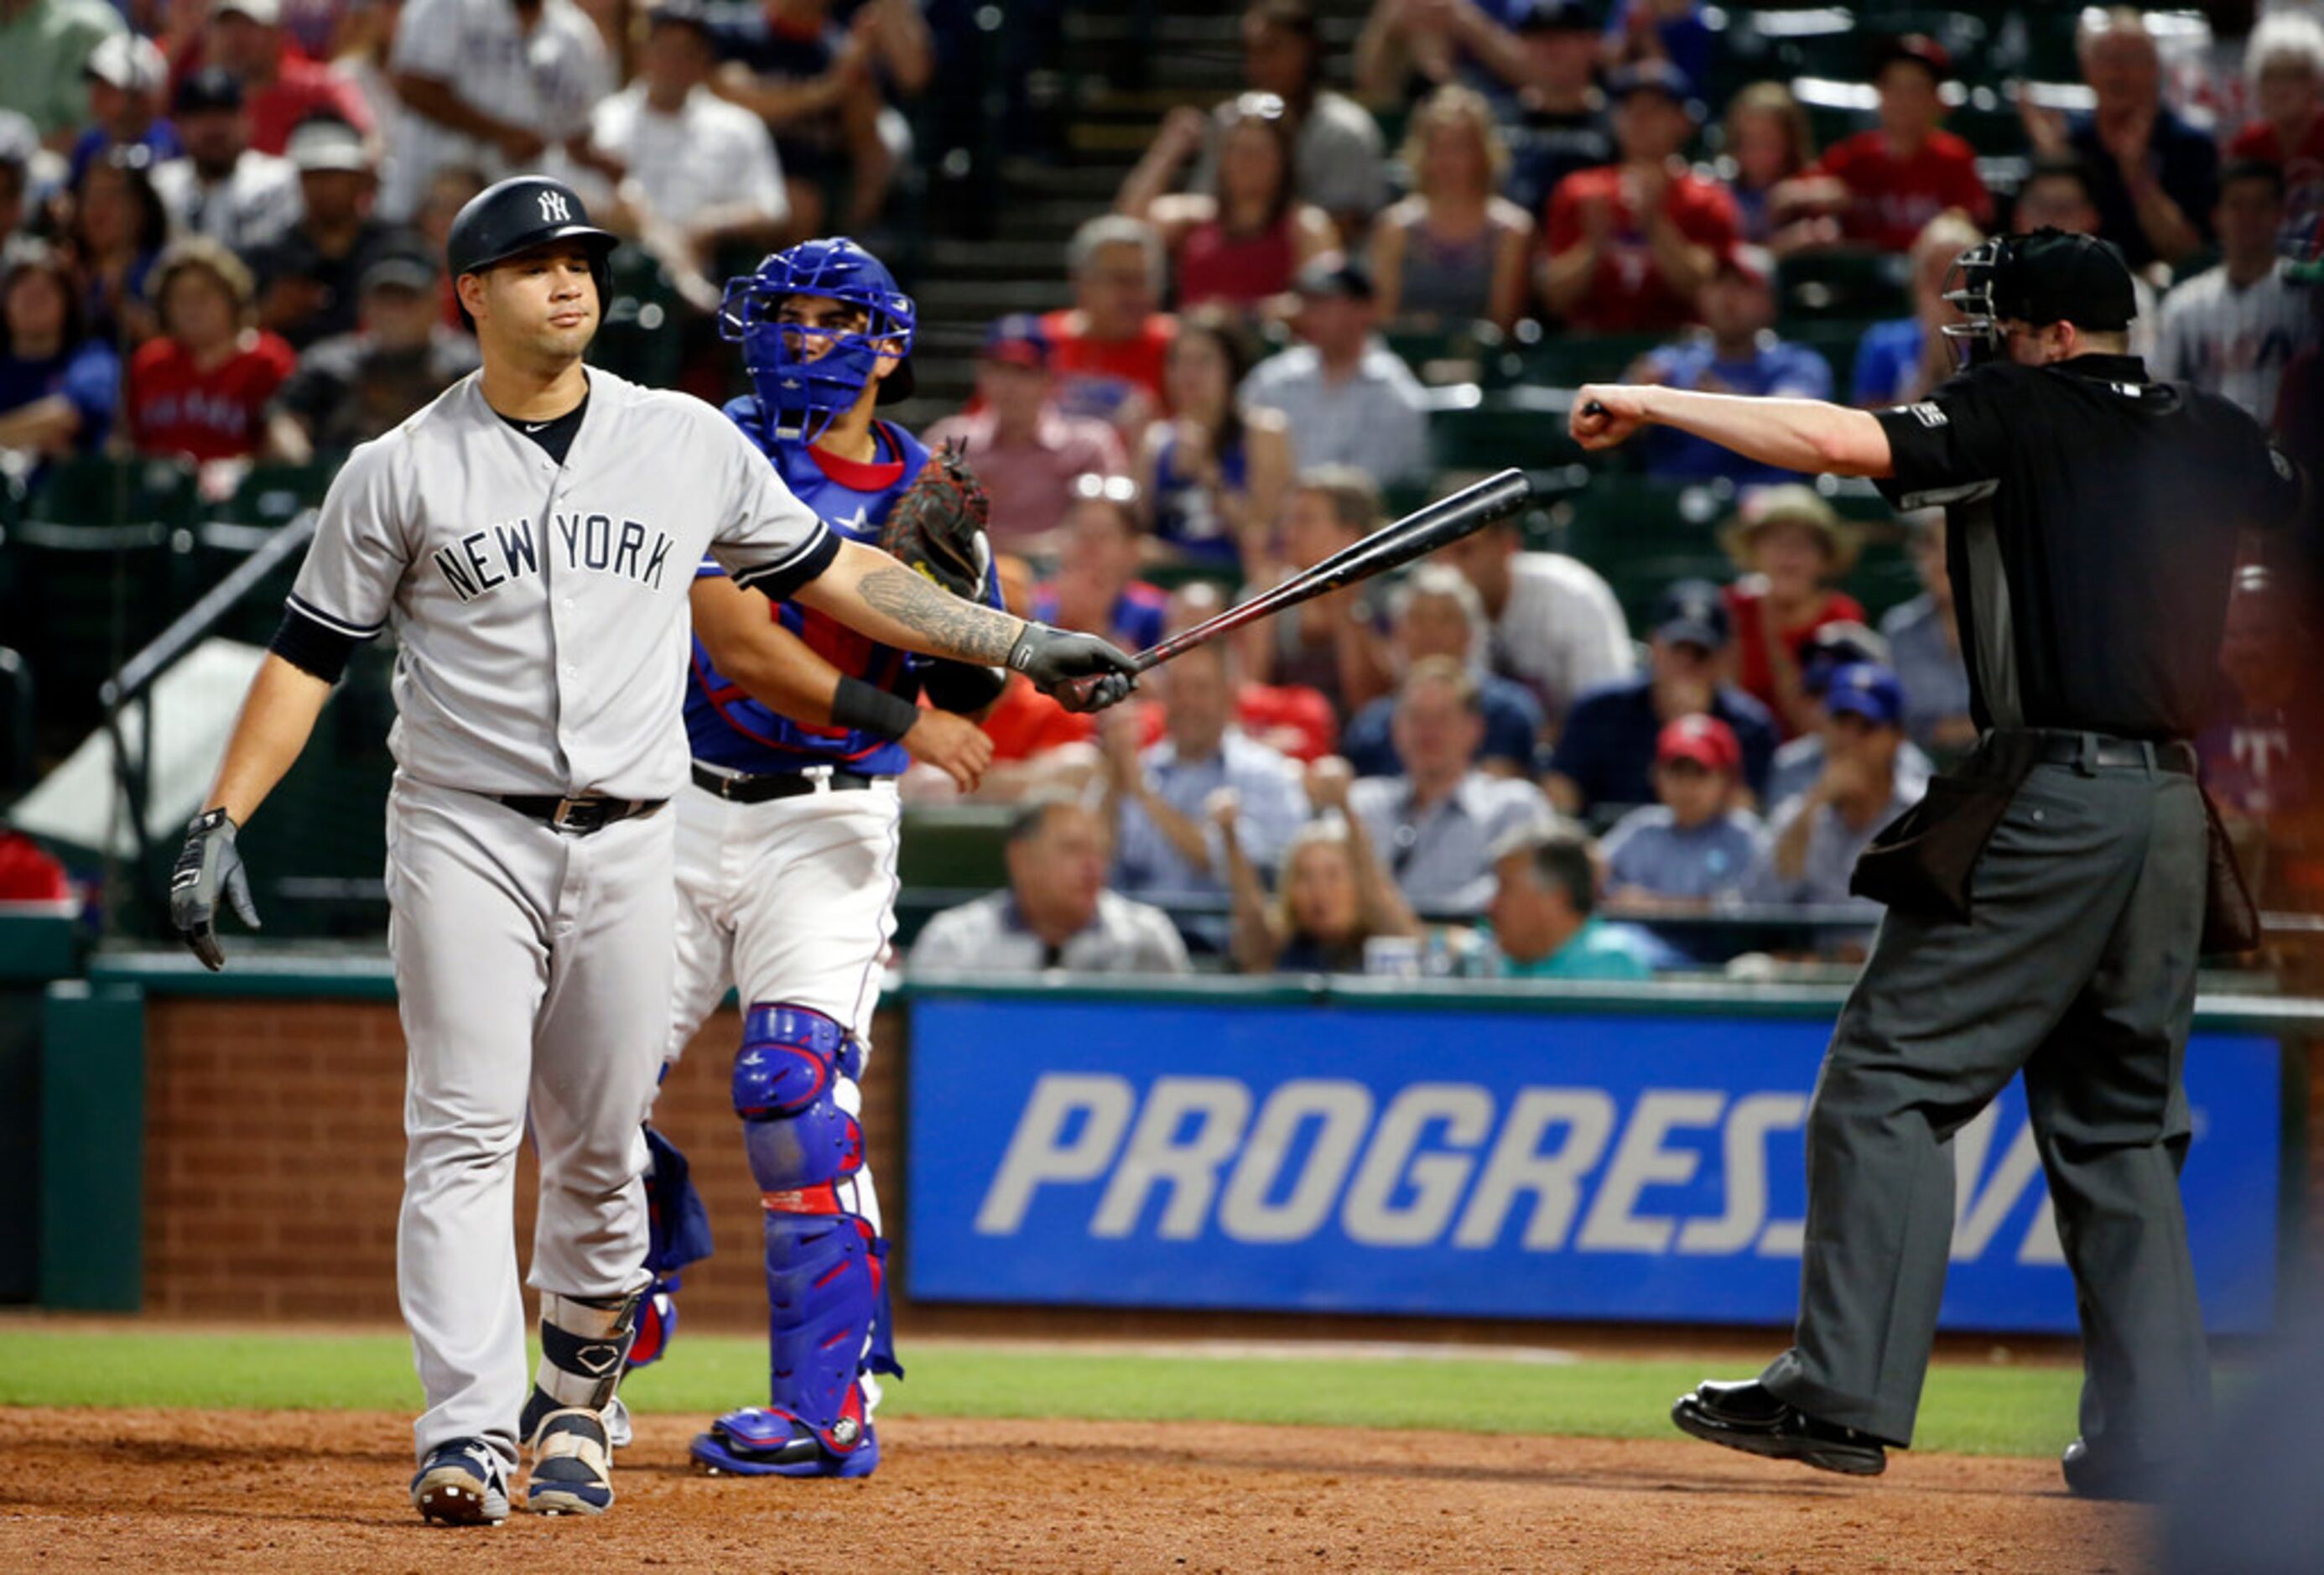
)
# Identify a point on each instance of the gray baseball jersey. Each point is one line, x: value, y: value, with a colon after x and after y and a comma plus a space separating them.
x: 541, y: 612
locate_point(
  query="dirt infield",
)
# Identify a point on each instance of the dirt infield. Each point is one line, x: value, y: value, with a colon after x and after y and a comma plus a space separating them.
x: 211, y: 1490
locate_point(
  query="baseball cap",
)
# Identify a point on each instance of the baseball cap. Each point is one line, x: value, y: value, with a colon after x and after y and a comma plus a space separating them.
x: 691, y: 13
x: 1019, y: 340
x: 1691, y: 612
x: 1706, y: 741
x: 1834, y: 645
x: 1868, y: 690
x: 265, y: 13
x: 399, y: 270
x: 1916, y: 47
x: 1754, y: 263
x: 126, y: 61
x: 1651, y: 76
x: 211, y: 88
x: 19, y: 140
x: 1335, y: 276
x: 325, y: 142
x: 1558, y: 17
x: 2055, y: 276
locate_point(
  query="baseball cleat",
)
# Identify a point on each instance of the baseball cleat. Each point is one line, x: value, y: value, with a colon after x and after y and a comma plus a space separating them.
x: 761, y: 1441
x: 1749, y: 1417
x: 572, y: 1465
x: 462, y: 1483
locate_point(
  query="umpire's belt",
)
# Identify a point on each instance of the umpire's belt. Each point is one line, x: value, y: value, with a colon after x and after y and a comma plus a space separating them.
x: 579, y: 815
x: 2093, y: 751
x: 739, y: 788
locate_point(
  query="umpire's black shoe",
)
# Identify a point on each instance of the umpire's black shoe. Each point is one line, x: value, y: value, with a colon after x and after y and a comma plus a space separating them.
x: 2090, y: 1474
x: 1746, y: 1416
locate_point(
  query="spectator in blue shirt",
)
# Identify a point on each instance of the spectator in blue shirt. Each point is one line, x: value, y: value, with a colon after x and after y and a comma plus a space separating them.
x: 1800, y: 761
x: 1604, y: 757
x: 1165, y: 845
x: 1436, y: 612
x: 1815, y: 836
x: 1695, y: 848
x: 125, y: 75
x: 1899, y: 362
x: 1925, y: 646
x: 1734, y: 352
x: 2153, y: 177
x: 57, y: 386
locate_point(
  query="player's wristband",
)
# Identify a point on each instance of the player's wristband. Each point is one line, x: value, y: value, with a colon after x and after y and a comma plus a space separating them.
x: 867, y: 708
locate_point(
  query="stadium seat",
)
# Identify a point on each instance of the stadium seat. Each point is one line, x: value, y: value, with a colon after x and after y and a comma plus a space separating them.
x: 1494, y: 434
x: 95, y: 490
x: 1841, y: 285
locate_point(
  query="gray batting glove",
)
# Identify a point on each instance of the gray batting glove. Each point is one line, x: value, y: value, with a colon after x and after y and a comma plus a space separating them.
x: 1081, y: 672
x: 207, y: 861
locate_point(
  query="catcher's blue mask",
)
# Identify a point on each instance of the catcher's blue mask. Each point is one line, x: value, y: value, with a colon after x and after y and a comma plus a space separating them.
x: 804, y: 376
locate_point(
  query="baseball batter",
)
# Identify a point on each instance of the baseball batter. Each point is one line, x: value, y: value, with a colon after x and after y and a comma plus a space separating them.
x: 787, y: 844
x: 530, y: 536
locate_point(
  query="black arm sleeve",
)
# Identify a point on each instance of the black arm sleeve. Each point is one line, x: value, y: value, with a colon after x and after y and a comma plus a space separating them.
x: 961, y: 686
x: 312, y: 647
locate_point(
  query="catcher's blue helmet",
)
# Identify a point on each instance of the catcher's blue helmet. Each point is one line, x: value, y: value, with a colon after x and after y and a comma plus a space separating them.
x: 802, y: 393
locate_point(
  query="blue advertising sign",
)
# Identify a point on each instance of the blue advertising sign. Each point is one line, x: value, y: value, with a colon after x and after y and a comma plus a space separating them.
x: 1482, y: 1164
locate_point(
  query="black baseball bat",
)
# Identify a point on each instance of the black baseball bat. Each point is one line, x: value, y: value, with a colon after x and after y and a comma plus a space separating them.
x: 1417, y: 535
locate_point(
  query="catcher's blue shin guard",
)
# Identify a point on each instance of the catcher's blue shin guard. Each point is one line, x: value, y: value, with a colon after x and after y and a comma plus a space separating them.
x: 677, y: 1231
x: 827, y: 1280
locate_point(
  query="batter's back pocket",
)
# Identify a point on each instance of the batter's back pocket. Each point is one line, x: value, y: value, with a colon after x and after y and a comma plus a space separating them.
x: 1922, y: 861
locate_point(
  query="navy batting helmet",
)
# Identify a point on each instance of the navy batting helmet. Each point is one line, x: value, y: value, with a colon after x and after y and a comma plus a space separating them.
x: 518, y: 213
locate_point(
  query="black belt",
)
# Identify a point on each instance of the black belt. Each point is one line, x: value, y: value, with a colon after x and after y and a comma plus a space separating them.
x: 2095, y: 750
x: 740, y: 789
x: 579, y: 815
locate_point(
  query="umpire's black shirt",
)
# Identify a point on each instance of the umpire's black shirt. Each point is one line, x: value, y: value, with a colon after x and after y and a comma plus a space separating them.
x: 2093, y: 519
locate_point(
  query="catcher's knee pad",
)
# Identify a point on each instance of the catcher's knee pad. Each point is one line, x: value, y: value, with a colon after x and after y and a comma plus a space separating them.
x: 827, y: 1280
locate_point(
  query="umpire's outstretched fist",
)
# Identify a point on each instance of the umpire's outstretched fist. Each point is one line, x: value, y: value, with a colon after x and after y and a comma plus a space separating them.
x: 1081, y: 672
x: 206, y: 862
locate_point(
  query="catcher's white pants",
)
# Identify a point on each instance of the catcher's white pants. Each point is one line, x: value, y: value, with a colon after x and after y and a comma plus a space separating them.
x: 532, y: 973
x: 791, y: 901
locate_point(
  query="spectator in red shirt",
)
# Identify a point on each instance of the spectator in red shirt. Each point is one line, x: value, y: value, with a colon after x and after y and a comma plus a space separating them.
x: 1027, y: 452
x: 1888, y: 183
x: 1791, y: 546
x: 1629, y: 245
x: 1108, y: 349
x: 280, y: 87
x: 1036, y: 743
x: 1242, y: 246
x: 2286, y: 63
x: 201, y: 389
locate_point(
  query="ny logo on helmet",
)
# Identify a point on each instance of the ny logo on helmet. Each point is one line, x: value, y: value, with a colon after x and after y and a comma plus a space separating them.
x: 554, y: 209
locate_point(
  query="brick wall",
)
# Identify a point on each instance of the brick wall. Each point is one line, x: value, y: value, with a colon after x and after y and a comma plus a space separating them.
x: 275, y: 1162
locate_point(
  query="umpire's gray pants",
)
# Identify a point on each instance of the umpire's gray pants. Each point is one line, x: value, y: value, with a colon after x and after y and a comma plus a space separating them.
x: 534, y: 974
x: 2078, y: 966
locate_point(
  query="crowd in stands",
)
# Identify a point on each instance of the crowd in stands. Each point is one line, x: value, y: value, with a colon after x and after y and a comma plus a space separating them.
x: 223, y: 238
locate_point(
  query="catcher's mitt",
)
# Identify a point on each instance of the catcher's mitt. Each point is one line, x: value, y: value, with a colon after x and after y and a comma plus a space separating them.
x: 937, y: 525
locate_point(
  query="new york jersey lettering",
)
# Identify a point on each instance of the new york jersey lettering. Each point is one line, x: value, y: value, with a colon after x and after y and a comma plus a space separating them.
x: 483, y: 560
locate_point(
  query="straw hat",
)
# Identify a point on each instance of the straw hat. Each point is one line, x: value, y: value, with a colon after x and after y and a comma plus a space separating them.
x: 1793, y: 504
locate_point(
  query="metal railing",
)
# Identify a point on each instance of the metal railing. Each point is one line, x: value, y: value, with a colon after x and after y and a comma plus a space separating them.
x: 134, y: 685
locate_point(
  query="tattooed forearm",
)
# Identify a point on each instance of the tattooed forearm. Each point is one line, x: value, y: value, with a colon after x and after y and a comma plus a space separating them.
x: 936, y: 622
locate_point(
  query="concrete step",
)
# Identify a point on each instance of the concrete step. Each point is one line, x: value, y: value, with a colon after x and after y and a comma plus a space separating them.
x: 1011, y: 258
x: 977, y: 301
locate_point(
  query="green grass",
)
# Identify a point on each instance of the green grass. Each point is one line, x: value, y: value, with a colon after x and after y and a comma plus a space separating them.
x: 1969, y: 1409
